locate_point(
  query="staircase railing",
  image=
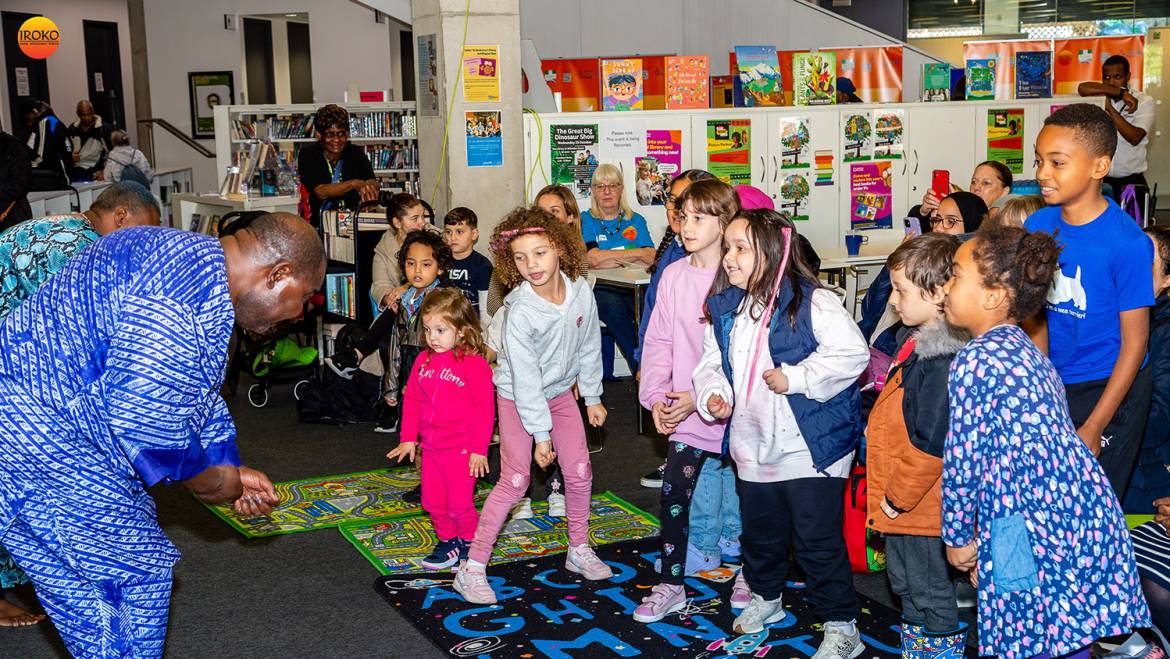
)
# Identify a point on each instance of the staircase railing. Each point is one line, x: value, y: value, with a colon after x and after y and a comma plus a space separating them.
x: 173, y: 130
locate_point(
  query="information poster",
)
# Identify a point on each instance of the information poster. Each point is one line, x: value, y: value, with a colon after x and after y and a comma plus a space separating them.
x: 857, y: 129
x: 658, y: 167
x: 481, y: 79
x: 428, y: 76
x: 622, y: 140
x: 870, y: 195
x: 484, y: 141
x: 889, y: 134
x: 573, y: 156
x: 794, y: 191
x: 729, y: 143
x: 794, y: 142
x: 1005, y: 138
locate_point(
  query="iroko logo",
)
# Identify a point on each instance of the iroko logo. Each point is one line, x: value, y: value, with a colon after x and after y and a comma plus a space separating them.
x: 38, y: 37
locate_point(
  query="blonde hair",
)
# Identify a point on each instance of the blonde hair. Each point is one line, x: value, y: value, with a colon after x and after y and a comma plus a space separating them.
x: 452, y: 306
x: 609, y: 173
x: 570, y: 204
x: 1017, y: 209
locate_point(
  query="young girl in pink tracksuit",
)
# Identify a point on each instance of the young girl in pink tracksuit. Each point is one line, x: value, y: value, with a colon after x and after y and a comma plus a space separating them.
x: 449, y: 405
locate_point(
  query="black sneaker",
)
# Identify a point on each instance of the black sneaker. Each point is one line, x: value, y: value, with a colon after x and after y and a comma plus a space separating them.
x: 445, y: 554
x: 389, y: 421
x: 343, y: 363
x: 654, y: 478
x: 413, y: 496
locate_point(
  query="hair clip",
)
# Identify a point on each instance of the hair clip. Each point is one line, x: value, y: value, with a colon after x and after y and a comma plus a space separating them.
x: 505, y: 237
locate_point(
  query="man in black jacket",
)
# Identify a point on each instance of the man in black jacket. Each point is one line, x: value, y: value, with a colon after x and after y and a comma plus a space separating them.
x: 48, y: 141
x: 15, y: 177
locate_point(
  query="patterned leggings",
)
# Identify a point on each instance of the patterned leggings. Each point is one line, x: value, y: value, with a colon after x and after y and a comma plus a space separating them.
x: 683, y: 463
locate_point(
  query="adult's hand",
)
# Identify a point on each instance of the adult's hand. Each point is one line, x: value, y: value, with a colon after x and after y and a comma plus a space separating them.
x: 930, y: 202
x: 258, y: 496
x: 1162, y: 513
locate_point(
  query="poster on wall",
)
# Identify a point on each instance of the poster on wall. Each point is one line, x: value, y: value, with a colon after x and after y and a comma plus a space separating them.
x: 794, y: 192
x: 814, y: 78
x: 654, y: 171
x: 1005, y: 138
x: 1077, y: 60
x: 484, y: 141
x: 576, y: 81
x: 875, y: 71
x: 573, y: 156
x: 428, y: 76
x: 857, y: 129
x: 621, y: 81
x: 207, y: 90
x: 889, y: 130
x: 794, y: 142
x: 871, y: 195
x: 622, y: 140
x: 481, y: 79
x: 729, y: 143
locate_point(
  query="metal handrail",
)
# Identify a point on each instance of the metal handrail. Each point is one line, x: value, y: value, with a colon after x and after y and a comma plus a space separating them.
x: 182, y: 137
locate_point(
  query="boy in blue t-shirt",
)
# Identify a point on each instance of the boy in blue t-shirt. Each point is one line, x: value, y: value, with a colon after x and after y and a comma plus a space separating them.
x: 1099, y: 304
x: 471, y: 272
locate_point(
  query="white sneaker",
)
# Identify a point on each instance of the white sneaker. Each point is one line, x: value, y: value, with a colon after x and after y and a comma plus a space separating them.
x: 556, y: 505
x: 759, y: 613
x: 585, y: 562
x: 471, y: 582
x: 522, y: 509
x: 842, y: 641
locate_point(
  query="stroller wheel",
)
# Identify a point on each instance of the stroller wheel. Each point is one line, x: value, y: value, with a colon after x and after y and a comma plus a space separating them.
x: 299, y: 389
x: 258, y: 395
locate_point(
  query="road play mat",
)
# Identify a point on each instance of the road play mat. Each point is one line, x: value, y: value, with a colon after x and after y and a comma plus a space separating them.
x: 546, y: 611
x: 326, y: 501
x: 397, y: 545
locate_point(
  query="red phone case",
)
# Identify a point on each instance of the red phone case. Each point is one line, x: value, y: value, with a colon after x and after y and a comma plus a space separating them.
x: 940, y: 182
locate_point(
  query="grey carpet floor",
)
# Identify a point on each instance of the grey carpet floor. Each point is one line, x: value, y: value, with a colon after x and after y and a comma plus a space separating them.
x: 311, y: 594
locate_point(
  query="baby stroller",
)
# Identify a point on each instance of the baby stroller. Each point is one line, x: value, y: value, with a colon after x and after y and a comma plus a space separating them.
x: 277, y: 356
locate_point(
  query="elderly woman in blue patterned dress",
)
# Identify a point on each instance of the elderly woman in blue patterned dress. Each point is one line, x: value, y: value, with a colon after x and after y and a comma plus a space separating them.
x: 109, y: 383
x: 32, y: 252
x: 1025, y: 504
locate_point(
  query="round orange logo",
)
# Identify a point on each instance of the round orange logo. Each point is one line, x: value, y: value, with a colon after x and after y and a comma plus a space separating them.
x: 38, y: 37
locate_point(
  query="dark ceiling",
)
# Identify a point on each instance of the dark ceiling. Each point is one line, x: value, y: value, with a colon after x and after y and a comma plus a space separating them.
x: 963, y: 13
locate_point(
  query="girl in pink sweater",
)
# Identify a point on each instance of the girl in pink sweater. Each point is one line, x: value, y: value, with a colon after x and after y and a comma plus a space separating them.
x: 449, y: 405
x: 671, y: 349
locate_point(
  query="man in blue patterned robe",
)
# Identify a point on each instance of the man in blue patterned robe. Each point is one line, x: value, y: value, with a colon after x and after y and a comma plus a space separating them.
x: 109, y: 383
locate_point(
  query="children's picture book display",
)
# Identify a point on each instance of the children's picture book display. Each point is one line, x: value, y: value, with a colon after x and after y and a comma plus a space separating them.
x: 889, y: 133
x: 621, y: 81
x: 654, y: 171
x: 1034, y: 74
x: 794, y: 142
x: 814, y: 78
x: 980, y: 79
x: 1005, y: 138
x: 759, y: 75
x: 481, y: 79
x: 936, y: 82
x: 794, y: 193
x: 857, y: 131
x: 729, y: 143
x: 573, y: 156
x: 686, y: 82
x: 871, y: 195
x: 484, y: 140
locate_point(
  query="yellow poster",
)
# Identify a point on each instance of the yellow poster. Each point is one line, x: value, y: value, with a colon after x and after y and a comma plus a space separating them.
x: 481, y: 79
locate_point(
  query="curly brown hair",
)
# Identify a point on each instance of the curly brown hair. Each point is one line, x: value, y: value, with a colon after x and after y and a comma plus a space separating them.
x: 522, y: 221
x: 452, y: 305
x: 1021, y: 262
x: 331, y: 116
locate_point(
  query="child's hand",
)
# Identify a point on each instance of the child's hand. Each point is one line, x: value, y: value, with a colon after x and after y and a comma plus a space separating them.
x: 776, y: 380
x: 888, y: 509
x: 973, y: 577
x: 1091, y: 436
x: 963, y: 558
x: 403, y: 450
x: 478, y: 465
x: 596, y: 414
x: 680, y: 409
x: 719, y: 408
x: 392, y: 402
x: 660, y: 425
x: 543, y: 454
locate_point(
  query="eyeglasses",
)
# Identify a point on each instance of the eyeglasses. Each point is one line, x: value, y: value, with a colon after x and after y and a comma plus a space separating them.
x: 945, y: 222
x: 607, y: 187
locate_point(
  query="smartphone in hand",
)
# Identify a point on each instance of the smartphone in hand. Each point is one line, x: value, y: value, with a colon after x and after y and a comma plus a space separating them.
x: 940, y: 183
x: 913, y: 226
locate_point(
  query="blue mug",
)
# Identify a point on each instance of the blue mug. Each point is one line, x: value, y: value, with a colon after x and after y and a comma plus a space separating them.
x: 853, y: 243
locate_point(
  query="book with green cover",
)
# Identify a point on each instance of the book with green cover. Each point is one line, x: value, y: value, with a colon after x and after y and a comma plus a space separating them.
x: 936, y: 82
x: 980, y: 79
x: 814, y: 77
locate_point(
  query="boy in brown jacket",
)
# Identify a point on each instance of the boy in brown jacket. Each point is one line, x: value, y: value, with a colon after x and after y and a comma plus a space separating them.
x: 906, y: 434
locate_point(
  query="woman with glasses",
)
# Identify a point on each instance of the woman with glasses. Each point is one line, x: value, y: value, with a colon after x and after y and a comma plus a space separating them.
x: 991, y: 181
x: 334, y: 172
x: 615, y: 236
x: 958, y: 213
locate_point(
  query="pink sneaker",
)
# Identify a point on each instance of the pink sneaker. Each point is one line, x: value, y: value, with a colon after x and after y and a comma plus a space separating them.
x: 663, y: 600
x: 471, y: 582
x: 741, y: 593
x: 584, y: 562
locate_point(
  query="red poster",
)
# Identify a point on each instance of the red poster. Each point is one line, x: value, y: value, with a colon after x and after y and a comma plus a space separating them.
x: 1004, y: 52
x: 876, y: 72
x: 1078, y: 60
x: 576, y: 80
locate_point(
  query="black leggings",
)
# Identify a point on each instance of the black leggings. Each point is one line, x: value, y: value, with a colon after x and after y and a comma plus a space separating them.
x: 1159, y: 600
x: 378, y: 331
x: 683, y: 464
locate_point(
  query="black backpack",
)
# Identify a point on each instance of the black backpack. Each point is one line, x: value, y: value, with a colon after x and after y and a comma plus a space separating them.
x: 331, y: 399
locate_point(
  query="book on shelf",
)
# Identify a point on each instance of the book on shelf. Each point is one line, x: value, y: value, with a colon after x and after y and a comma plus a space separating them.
x: 401, y: 155
x: 981, y: 79
x: 382, y: 124
x: 936, y: 82
x: 759, y: 75
x: 686, y: 82
x: 1034, y: 74
x: 621, y: 81
x: 814, y: 78
x: 339, y: 294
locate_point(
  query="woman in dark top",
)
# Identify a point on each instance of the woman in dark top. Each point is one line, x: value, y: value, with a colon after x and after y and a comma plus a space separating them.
x: 334, y: 171
x: 15, y: 181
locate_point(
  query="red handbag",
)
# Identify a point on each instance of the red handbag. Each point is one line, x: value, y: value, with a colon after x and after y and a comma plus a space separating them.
x: 867, y: 551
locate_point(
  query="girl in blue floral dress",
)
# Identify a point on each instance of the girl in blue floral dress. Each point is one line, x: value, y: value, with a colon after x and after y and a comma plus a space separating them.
x: 1024, y: 502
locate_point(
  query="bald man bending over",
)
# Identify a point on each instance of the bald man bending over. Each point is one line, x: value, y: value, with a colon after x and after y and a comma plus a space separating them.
x: 109, y: 383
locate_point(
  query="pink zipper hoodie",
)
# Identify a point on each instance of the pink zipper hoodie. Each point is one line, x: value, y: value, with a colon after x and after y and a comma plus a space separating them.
x: 449, y: 402
x: 673, y: 347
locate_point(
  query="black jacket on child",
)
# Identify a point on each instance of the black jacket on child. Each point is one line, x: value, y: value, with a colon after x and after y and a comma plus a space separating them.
x: 1151, y: 477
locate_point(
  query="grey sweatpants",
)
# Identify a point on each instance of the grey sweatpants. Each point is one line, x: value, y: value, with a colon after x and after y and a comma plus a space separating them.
x: 920, y: 576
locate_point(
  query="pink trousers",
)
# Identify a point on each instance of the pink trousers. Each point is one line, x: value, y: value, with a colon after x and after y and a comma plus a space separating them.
x: 448, y: 493
x: 516, y: 445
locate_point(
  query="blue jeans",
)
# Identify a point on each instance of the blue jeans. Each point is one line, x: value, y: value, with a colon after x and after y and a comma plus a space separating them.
x: 615, y: 308
x: 714, y: 508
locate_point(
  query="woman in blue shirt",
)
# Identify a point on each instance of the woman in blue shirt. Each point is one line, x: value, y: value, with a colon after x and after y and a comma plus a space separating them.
x: 614, y: 236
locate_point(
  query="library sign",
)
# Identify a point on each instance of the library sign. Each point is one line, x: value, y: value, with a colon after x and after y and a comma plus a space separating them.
x: 38, y: 37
